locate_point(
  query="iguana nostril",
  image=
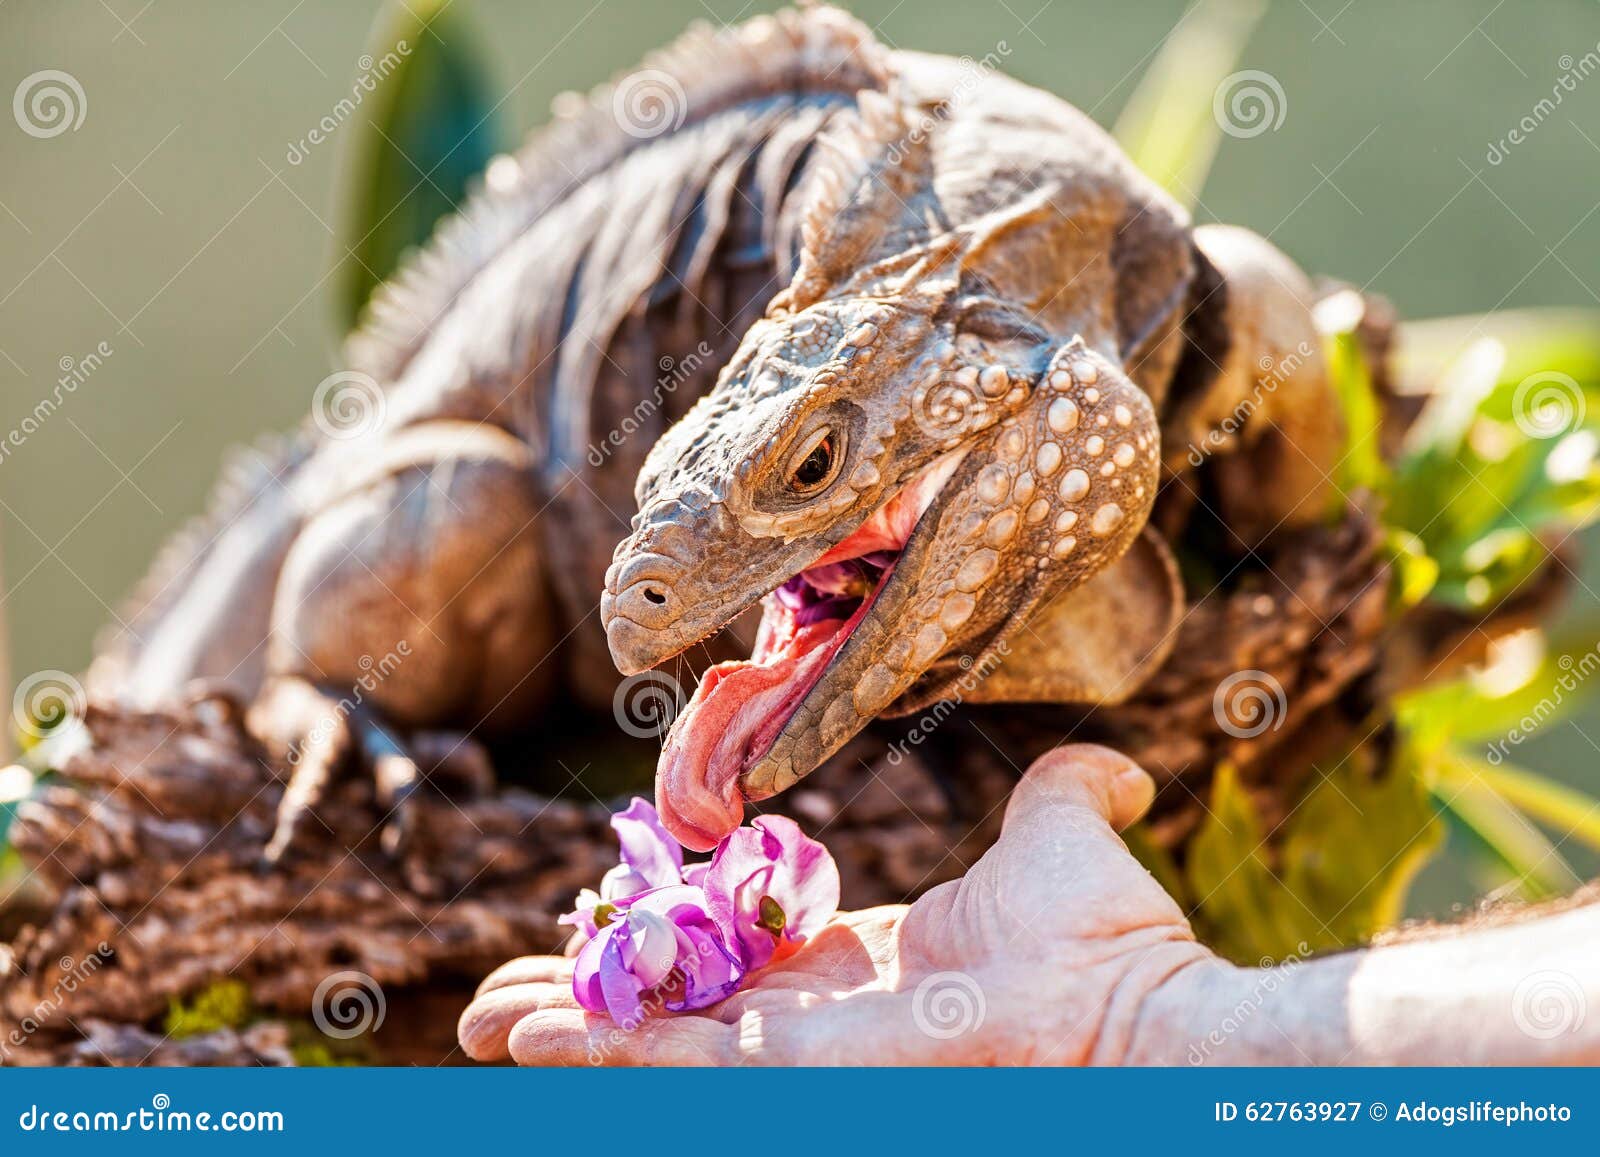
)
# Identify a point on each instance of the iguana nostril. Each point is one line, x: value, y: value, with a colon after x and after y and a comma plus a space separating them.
x: 655, y: 596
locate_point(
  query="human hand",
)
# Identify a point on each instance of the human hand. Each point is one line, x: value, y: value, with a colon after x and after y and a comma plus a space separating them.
x: 1043, y: 953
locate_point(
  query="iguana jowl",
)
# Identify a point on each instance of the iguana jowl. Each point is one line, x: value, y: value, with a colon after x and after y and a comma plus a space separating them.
x: 963, y: 342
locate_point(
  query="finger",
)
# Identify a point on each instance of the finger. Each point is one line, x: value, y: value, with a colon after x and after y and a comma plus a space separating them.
x: 485, y: 1026
x: 1059, y: 859
x: 574, y: 1037
x: 528, y: 970
x: 1088, y: 776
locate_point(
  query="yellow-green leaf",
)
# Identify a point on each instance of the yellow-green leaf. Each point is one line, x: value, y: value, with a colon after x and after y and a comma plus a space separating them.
x: 1169, y: 126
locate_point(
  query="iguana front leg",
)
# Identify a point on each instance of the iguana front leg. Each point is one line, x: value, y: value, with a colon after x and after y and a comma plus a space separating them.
x: 412, y: 602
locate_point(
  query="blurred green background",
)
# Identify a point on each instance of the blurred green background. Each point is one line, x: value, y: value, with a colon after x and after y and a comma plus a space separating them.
x: 174, y: 226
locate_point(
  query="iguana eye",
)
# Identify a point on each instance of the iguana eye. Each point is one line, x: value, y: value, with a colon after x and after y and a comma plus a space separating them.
x: 815, y: 462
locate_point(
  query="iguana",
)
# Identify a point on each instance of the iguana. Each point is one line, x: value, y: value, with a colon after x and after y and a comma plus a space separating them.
x: 891, y: 345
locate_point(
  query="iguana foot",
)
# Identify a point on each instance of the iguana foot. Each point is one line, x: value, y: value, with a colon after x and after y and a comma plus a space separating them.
x: 324, y: 735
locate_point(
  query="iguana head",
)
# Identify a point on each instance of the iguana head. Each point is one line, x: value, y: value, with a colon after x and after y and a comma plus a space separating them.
x: 897, y: 482
x: 899, y: 464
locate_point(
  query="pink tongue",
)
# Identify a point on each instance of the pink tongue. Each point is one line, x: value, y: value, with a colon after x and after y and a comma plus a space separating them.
x: 697, y: 780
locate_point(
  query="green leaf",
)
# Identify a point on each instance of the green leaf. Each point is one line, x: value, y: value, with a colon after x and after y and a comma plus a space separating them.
x: 225, y: 1003
x: 1415, y: 571
x: 1480, y: 483
x: 1168, y: 126
x: 1564, y: 809
x: 430, y: 131
x: 1362, y: 466
x: 1242, y: 909
x: 1525, y: 854
x: 1534, y: 340
x: 1355, y: 844
x: 1334, y: 873
x: 1529, y: 681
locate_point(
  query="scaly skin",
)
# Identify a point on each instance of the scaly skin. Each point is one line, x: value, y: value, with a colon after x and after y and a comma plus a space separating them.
x: 988, y: 282
x: 931, y: 261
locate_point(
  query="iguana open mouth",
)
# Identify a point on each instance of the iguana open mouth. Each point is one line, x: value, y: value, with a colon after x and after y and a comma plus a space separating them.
x: 741, y: 707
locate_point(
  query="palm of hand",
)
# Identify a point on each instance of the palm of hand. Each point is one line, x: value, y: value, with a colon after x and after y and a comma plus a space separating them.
x: 1040, y: 954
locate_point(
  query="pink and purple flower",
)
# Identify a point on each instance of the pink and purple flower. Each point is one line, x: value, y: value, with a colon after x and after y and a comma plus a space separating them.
x: 686, y: 936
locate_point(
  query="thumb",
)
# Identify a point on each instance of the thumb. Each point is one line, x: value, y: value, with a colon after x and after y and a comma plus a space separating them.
x: 1059, y: 857
x: 1083, y: 776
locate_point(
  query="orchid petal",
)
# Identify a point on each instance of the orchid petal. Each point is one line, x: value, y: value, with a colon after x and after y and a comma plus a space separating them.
x: 770, y: 859
x: 652, y: 855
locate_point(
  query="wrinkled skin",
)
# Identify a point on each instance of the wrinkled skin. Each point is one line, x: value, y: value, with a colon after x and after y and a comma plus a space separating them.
x: 1057, y: 897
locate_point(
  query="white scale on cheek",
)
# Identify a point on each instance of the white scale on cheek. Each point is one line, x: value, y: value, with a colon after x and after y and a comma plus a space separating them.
x: 1062, y: 415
